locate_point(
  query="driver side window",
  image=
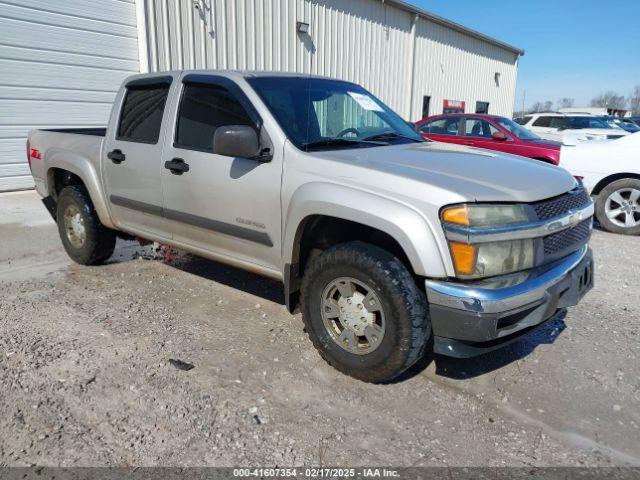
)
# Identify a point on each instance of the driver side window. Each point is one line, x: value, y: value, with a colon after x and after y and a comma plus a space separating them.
x: 204, y: 108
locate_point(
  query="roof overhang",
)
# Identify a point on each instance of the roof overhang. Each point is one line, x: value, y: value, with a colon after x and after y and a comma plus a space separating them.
x: 453, y: 25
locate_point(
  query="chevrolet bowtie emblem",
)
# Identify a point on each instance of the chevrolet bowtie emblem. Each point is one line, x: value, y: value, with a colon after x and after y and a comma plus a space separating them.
x: 575, y: 218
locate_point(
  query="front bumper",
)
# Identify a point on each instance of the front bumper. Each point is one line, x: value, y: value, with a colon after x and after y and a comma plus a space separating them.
x: 472, y: 318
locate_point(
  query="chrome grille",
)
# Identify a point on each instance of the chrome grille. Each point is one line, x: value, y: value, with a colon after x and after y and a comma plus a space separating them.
x: 558, y: 206
x: 567, y: 240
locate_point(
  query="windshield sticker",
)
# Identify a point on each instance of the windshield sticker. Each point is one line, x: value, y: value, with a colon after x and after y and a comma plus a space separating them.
x: 365, y: 102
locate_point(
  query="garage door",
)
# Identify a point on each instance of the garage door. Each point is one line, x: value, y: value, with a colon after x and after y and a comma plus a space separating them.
x: 61, y: 63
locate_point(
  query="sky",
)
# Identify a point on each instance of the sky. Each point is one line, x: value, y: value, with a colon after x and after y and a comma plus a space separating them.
x: 573, y: 48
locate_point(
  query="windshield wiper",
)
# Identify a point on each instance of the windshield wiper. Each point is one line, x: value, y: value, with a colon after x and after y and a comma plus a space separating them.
x: 391, y: 135
x: 330, y: 142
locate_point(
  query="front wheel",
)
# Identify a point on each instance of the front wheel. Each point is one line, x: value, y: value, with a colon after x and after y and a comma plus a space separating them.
x: 84, y: 238
x: 364, y: 312
x: 618, y: 206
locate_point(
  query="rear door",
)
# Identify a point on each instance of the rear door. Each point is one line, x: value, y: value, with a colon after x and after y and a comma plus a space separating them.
x: 227, y: 207
x: 132, y: 156
x: 544, y: 128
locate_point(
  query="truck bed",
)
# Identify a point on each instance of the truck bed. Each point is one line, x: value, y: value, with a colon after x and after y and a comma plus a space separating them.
x: 69, y: 144
x: 98, y: 132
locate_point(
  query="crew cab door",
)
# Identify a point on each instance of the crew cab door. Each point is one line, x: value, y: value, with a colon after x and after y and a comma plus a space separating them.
x: 132, y: 154
x: 227, y: 207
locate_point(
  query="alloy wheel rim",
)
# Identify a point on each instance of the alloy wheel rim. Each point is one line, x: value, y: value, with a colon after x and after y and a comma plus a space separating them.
x: 622, y: 207
x: 74, y: 226
x: 353, y: 315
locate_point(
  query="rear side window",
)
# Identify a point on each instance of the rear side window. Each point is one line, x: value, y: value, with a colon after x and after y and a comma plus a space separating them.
x: 559, y: 122
x: 203, y: 109
x: 442, y: 126
x: 141, y: 114
x: 542, y: 122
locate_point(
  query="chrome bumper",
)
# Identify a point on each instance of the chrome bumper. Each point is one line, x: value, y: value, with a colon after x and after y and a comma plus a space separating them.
x: 489, y: 310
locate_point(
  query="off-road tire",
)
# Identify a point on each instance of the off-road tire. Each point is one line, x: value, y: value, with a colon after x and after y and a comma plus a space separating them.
x: 601, y: 202
x: 408, y: 326
x: 100, y: 241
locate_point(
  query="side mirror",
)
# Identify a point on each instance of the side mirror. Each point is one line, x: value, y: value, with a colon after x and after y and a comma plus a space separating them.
x: 500, y: 136
x: 238, y: 141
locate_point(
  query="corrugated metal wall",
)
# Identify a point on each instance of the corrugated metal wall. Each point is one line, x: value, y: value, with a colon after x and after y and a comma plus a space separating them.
x: 364, y: 41
x: 454, y: 66
x: 62, y: 62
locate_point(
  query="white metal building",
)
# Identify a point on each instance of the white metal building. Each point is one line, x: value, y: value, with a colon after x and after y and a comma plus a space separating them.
x: 61, y: 61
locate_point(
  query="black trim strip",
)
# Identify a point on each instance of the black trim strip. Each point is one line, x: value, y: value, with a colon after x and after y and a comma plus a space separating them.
x: 136, y: 205
x: 261, y: 238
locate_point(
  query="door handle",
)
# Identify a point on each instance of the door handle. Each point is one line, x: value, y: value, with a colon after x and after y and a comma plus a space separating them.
x: 116, y: 156
x: 468, y: 143
x: 177, y: 166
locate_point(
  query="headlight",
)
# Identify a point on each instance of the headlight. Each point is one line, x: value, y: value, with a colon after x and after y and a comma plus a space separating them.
x: 485, y: 215
x: 490, y: 258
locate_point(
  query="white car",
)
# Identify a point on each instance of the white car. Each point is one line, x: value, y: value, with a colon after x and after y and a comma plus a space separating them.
x: 558, y: 126
x: 610, y: 171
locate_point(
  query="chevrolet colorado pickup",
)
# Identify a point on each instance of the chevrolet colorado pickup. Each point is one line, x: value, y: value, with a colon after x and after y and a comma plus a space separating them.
x: 388, y: 243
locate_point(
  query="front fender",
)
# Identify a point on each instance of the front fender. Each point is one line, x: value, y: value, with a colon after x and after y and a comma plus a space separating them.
x: 85, y: 169
x: 404, y: 223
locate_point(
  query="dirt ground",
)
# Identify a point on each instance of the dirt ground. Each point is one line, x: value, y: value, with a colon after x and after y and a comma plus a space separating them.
x: 86, y: 377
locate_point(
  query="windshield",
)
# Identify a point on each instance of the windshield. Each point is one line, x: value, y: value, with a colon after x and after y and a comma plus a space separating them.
x: 587, y: 122
x: 518, y: 130
x: 329, y: 114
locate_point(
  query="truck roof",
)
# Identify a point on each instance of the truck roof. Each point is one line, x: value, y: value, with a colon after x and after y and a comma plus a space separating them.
x: 243, y: 73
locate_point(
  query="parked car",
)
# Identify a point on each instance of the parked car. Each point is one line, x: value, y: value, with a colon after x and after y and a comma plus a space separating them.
x: 623, y: 123
x: 558, y: 126
x: 387, y: 241
x: 610, y: 171
x: 491, y: 132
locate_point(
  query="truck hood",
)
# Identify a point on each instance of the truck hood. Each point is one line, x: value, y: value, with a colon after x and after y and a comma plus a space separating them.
x: 471, y: 173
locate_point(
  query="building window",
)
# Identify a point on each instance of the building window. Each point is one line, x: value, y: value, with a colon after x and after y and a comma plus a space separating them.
x: 426, y: 100
x: 141, y: 115
x: 482, y: 107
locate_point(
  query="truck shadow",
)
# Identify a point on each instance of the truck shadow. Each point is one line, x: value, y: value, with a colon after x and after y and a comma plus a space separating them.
x: 466, y: 368
x: 267, y: 289
x: 229, y: 276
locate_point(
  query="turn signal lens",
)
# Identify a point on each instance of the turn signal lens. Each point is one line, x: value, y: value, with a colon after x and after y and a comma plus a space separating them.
x: 464, y: 257
x: 459, y: 215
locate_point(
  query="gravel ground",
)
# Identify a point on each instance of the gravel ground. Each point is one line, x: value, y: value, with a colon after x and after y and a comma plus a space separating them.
x: 88, y: 377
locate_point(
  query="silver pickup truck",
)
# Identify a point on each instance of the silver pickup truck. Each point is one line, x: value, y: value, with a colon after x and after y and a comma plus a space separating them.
x: 388, y: 243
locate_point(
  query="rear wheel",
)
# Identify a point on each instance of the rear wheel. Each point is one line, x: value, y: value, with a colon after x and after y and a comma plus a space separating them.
x: 618, y: 206
x: 84, y: 238
x: 364, y: 312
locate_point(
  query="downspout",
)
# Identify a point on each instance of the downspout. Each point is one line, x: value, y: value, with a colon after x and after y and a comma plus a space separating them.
x: 141, y: 26
x: 412, y: 67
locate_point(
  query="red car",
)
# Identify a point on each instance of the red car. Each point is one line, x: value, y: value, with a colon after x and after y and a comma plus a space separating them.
x: 491, y: 132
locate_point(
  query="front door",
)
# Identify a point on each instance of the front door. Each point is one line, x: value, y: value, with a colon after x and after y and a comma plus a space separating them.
x: 478, y: 132
x: 229, y: 207
x: 132, y: 154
